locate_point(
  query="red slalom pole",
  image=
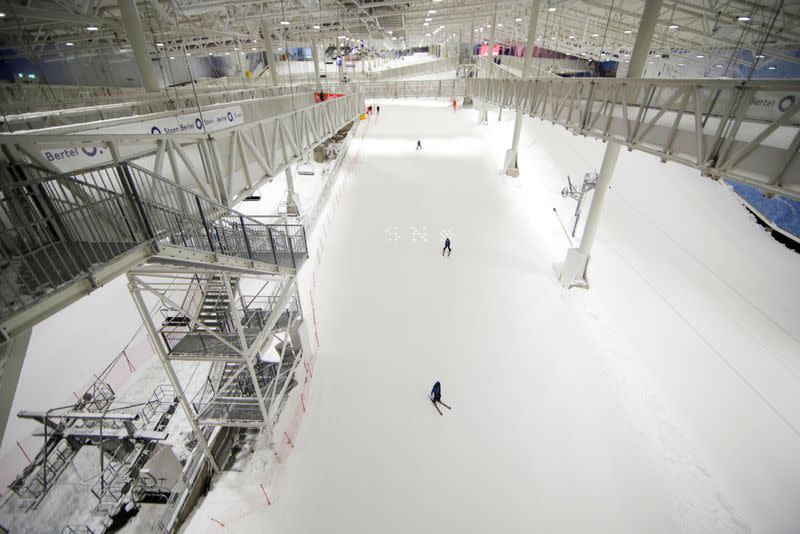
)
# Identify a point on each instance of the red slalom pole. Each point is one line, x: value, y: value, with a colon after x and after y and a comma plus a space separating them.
x: 288, y: 439
x: 269, y: 503
x: 303, y: 402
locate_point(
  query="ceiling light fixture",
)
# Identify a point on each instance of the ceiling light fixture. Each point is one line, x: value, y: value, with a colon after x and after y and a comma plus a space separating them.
x: 160, y: 45
x: 761, y: 56
x: 743, y: 18
x: 316, y: 26
x: 431, y: 12
x: 172, y: 57
x: 518, y: 20
x: 253, y: 49
x: 2, y: 15
x: 284, y: 22
x: 628, y: 31
x: 69, y: 44
x: 771, y: 68
x: 551, y: 9
x: 673, y: 26
x: 700, y: 56
x: 91, y: 28
x: 719, y: 66
x: 595, y: 35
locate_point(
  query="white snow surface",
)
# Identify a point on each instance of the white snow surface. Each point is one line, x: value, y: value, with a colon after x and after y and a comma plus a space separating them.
x: 663, y: 399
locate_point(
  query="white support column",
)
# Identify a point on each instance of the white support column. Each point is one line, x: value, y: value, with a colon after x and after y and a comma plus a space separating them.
x: 266, y: 31
x: 511, y: 155
x: 315, y: 59
x: 574, y: 271
x: 135, y: 32
x: 173, y: 378
x: 484, y: 116
x: 292, y: 199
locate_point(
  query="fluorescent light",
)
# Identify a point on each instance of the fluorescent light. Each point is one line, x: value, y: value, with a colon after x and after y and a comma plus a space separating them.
x: 628, y: 31
x: 771, y: 68
x: 761, y: 56
x: 255, y: 40
x: 681, y: 64
x: 3, y: 14
x: 431, y: 12
x: 172, y: 57
x: 427, y: 24
x: 390, y: 32
x: 719, y: 66
x: 211, y: 53
x: 315, y: 26
x: 499, y: 25
x: 160, y: 45
x: 572, y: 37
x: 227, y: 53
x: 673, y: 26
x: 253, y: 49
x: 69, y: 44
x: 743, y: 18
x: 699, y: 56
x: 427, y: 35
x: 595, y: 35
x: 284, y: 22
x: 518, y: 20
x: 551, y: 9
x: 91, y: 28
x: 188, y: 54
x: 237, y: 48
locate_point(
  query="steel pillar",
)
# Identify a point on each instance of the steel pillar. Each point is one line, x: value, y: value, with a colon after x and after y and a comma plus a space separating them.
x: 484, y: 116
x: 511, y: 155
x: 266, y: 31
x: 315, y: 59
x: 13, y: 351
x: 292, y: 200
x: 135, y: 32
x: 574, y: 271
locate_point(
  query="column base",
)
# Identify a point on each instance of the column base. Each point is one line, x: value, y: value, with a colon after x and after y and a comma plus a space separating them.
x: 573, y: 273
x: 510, y: 165
x: 293, y: 205
x: 483, y: 118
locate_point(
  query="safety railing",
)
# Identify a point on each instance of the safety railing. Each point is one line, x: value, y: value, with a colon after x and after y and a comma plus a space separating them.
x: 744, y: 131
x: 402, y: 89
x: 58, y: 229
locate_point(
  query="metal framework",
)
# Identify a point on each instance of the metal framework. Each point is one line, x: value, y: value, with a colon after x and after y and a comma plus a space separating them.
x: 208, y: 318
x: 226, y: 165
x: 744, y: 131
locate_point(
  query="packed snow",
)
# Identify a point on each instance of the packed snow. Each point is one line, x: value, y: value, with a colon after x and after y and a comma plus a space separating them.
x: 662, y: 399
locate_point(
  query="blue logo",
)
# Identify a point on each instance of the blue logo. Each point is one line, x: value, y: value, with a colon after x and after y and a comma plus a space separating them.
x: 786, y: 102
x: 91, y: 152
x: 198, y: 124
x: 155, y: 130
x: 230, y: 117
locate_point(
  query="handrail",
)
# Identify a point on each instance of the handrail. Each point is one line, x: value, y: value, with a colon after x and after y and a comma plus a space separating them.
x: 747, y: 131
x: 59, y: 229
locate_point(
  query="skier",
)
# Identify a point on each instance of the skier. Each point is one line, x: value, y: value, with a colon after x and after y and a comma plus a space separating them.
x: 419, y: 144
x: 446, y: 247
x: 377, y: 110
x: 454, y: 104
x: 321, y: 96
x: 369, y: 110
x: 436, y: 397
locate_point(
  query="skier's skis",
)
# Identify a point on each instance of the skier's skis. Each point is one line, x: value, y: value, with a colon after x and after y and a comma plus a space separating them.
x: 437, y: 408
x: 446, y: 406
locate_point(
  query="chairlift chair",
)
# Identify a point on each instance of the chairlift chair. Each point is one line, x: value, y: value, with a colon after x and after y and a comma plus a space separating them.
x: 304, y: 168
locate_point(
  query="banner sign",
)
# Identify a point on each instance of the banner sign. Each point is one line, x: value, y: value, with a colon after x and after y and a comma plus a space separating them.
x: 68, y: 159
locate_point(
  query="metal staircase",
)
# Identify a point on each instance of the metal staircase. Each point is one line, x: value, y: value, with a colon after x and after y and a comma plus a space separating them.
x: 63, y: 235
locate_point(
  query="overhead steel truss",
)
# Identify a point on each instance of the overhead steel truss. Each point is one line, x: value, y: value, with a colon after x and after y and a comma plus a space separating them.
x: 744, y: 131
x: 225, y: 165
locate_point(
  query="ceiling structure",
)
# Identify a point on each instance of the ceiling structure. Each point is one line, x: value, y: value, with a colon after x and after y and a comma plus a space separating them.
x: 737, y: 31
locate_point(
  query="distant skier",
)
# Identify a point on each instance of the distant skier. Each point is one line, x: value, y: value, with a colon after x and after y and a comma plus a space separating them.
x: 322, y: 96
x: 454, y: 104
x: 369, y: 110
x: 446, y: 247
x: 419, y: 144
x: 377, y: 110
x: 436, y: 397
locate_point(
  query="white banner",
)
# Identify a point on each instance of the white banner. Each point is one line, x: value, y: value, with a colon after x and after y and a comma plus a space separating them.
x: 68, y: 159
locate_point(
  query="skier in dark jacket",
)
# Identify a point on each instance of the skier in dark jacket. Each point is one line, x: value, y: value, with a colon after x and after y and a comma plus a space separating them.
x: 419, y: 144
x: 436, y: 397
x: 446, y: 246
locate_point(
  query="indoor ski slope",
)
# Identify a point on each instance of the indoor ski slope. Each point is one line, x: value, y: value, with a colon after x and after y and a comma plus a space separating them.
x: 663, y: 399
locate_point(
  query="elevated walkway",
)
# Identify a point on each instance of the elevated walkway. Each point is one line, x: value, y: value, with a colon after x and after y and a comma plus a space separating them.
x: 63, y: 235
x: 747, y: 131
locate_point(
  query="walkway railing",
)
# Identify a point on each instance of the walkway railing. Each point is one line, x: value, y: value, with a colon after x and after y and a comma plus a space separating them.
x: 744, y: 131
x: 93, y: 225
